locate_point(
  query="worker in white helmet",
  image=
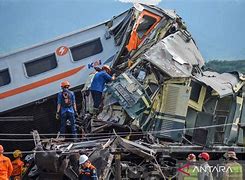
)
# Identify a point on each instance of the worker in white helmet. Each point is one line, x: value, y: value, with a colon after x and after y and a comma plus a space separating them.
x: 86, y: 170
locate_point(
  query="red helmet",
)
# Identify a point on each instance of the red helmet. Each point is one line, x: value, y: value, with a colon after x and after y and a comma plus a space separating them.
x: 204, y: 156
x: 65, y: 83
x: 191, y: 157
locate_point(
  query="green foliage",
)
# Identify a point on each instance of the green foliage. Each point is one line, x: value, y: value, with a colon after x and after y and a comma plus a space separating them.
x: 226, y: 66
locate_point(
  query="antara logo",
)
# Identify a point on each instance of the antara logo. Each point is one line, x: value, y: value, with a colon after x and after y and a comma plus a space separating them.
x: 212, y: 169
x: 199, y: 169
x: 94, y: 64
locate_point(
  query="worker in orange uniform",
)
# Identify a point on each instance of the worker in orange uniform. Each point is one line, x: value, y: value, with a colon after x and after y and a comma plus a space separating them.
x: 6, y: 167
x: 18, y: 165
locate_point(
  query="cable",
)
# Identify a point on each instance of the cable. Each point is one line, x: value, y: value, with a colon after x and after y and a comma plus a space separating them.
x: 21, y: 140
x: 125, y: 132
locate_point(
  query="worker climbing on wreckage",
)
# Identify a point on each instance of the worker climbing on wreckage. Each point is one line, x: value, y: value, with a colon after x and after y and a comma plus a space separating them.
x: 67, y: 109
x: 18, y: 165
x: 98, y: 85
x: 86, y: 95
x: 86, y: 170
x: 6, y: 167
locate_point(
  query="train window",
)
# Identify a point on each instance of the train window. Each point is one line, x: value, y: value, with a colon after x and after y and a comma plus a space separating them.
x: 41, y: 65
x: 198, y: 93
x: 86, y: 49
x: 145, y: 24
x: 4, y: 77
x: 195, y: 91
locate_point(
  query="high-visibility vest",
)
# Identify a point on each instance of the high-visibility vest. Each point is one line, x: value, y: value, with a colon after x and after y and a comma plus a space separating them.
x: 234, y: 172
x: 17, y: 168
x: 6, y: 167
x: 193, y: 173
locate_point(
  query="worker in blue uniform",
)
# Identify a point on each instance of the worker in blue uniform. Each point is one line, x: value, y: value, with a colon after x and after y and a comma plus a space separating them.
x: 98, y: 85
x: 66, y: 108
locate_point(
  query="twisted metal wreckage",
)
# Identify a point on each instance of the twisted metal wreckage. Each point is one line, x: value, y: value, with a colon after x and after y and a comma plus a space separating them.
x: 162, y: 105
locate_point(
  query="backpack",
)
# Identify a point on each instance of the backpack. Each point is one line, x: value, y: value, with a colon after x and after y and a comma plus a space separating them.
x: 66, y: 99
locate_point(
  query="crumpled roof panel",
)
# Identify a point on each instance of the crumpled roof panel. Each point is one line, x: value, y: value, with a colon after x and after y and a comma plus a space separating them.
x: 174, y: 56
x: 222, y: 83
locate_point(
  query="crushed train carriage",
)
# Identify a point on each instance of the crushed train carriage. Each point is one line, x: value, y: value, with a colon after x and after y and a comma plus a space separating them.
x: 168, y: 92
x: 163, y: 99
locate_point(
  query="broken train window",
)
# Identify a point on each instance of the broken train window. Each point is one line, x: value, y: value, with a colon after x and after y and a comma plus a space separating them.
x: 222, y: 113
x: 145, y: 24
x: 141, y: 71
x: 151, y: 89
x: 198, y: 93
x: 146, y: 75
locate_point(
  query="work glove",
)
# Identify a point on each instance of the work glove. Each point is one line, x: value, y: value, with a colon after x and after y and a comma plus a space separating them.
x: 76, y: 114
x: 57, y: 116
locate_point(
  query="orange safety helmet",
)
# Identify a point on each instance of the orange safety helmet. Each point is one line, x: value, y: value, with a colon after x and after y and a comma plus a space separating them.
x: 106, y: 68
x: 1, y: 148
x: 204, y: 156
x: 191, y: 157
x: 65, y: 83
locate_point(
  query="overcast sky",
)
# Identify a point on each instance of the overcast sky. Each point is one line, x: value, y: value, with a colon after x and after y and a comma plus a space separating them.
x: 218, y: 26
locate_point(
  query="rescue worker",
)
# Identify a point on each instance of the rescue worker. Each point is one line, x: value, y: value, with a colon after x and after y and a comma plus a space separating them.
x: 67, y: 109
x: 18, y: 165
x: 87, y: 107
x: 191, y: 169
x: 205, y: 171
x: 233, y: 170
x: 6, y: 167
x: 98, y: 85
x: 86, y: 170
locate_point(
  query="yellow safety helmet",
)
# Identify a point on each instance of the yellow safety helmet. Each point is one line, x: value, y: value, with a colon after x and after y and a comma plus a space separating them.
x: 17, y: 153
